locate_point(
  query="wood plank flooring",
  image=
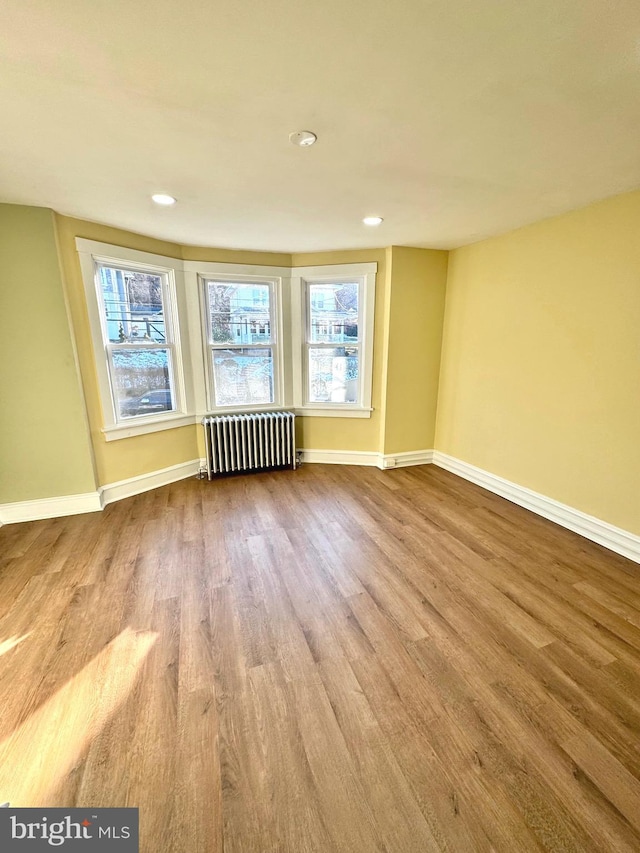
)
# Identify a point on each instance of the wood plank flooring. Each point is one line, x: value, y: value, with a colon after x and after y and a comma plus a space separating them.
x: 332, y: 659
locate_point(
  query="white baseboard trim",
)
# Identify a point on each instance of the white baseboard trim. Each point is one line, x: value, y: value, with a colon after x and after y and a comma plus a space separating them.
x: 13, y: 513
x: 363, y: 457
x: 401, y: 460
x: 145, y: 482
x: 340, y: 457
x: 615, y: 538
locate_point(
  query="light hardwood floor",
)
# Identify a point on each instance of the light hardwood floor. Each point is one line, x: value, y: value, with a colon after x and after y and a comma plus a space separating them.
x: 333, y: 659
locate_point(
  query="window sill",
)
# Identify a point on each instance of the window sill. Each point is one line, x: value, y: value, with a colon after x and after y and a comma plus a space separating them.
x: 332, y: 412
x: 113, y: 433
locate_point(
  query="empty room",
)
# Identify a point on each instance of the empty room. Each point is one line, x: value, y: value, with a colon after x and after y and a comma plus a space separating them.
x: 320, y: 426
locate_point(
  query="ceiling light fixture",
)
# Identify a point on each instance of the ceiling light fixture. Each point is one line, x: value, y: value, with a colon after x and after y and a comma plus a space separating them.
x: 373, y: 220
x: 163, y: 198
x: 303, y: 138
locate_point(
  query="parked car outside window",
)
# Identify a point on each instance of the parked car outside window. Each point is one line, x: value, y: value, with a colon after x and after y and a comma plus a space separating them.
x: 154, y: 401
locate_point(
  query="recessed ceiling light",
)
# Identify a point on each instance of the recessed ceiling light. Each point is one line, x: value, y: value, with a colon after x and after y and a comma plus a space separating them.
x: 163, y: 198
x: 372, y: 220
x: 303, y: 138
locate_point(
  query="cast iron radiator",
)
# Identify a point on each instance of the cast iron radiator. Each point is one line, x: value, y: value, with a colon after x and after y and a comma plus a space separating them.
x: 251, y: 442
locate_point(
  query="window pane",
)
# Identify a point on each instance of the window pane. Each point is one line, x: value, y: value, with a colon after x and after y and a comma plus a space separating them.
x: 333, y: 312
x: 333, y: 375
x: 142, y: 381
x: 133, y: 306
x: 239, y: 313
x: 243, y: 377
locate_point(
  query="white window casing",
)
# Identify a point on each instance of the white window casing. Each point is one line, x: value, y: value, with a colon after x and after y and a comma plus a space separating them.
x: 187, y: 326
x: 302, y: 277
x: 197, y: 274
x: 94, y: 255
x: 273, y: 343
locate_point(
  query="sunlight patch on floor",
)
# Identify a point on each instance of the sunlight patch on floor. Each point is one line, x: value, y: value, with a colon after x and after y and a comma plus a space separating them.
x: 37, y: 756
x: 11, y: 643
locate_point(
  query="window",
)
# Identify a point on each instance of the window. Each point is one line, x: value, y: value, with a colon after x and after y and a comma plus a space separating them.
x: 335, y: 339
x: 138, y: 343
x: 241, y: 330
x: 134, y: 317
x: 332, y: 343
x: 174, y: 340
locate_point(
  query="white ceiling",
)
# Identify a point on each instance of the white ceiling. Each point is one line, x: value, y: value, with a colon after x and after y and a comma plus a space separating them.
x: 452, y: 119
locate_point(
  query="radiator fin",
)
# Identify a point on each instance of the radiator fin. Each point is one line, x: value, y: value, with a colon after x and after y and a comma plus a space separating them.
x: 251, y: 442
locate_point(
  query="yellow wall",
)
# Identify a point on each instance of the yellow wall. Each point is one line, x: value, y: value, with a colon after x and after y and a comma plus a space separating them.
x: 416, y: 311
x: 229, y: 256
x: 538, y: 381
x: 127, y: 457
x: 354, y: 434
x: 409, y: 281
x: 540, y: 378
x: 44, y: 441
x: 130, y: 457
x: 234, y: 256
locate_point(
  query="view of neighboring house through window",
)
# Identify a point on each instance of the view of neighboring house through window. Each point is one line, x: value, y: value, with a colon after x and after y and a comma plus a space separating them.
x: 241, y: 333
x: 139, y: 349
x: 332, y: 342
x: 174, y: 340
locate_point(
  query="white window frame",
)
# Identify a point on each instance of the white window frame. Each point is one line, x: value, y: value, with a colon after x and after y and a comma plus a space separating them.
x: 302, y: 277
x: 275, y: 344
x: 185, y: 306
x: 197, y: 274
x: 93, y: 255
